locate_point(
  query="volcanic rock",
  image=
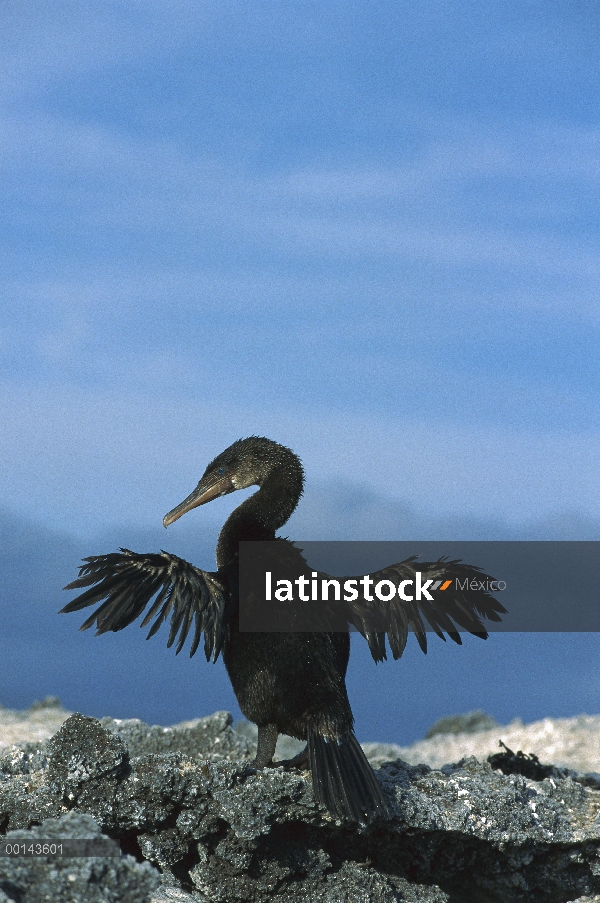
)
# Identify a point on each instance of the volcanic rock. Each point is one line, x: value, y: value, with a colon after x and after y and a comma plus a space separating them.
x: 185, y: 804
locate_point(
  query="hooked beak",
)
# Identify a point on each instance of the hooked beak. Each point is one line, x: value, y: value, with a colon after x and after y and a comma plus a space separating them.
x: 204, y: 492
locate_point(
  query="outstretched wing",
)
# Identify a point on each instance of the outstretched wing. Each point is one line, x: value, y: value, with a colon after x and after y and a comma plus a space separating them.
x: 125, y: 582
x: 461, y: 597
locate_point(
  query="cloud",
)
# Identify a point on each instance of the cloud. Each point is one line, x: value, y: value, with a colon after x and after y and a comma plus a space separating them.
x: 342, y: 511
x: 80, y: 459
x: 47, y: 45
x: 486, y: 198
x: 413, y: 283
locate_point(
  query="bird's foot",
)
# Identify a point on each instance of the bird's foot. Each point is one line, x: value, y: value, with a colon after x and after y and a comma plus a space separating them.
x: 255, y: 765
x: 267, y: 741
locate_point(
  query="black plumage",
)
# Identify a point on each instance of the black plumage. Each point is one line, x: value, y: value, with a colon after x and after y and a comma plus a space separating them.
x: 292, y: 683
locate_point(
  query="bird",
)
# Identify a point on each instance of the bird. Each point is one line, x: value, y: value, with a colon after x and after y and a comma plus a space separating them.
x: 286, y: 682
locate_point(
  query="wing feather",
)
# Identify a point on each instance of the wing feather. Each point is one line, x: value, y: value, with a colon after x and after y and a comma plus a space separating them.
x: 157, y: 602
x: 197, y: 634
x: 123, y: 584
x: 458, y: 605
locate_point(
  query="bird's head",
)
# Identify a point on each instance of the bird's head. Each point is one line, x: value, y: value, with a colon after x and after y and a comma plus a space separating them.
x: 248, y: 462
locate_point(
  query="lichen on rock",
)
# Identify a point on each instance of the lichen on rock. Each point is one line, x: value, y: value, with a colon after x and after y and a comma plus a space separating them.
x: 185, y: 803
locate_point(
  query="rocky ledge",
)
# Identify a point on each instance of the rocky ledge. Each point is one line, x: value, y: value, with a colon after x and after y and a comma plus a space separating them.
x: 195, y: 824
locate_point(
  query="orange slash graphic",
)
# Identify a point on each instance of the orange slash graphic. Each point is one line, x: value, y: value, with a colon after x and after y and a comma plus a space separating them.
x: 446, y: 584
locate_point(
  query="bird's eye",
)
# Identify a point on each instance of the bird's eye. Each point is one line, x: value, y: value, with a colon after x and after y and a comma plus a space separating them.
x: 222, y: 469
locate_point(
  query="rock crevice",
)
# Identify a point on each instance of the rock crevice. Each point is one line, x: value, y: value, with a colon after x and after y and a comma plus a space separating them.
x: 204, y: 827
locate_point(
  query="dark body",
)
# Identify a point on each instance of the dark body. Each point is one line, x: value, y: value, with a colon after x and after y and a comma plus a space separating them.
x: 291, y: 682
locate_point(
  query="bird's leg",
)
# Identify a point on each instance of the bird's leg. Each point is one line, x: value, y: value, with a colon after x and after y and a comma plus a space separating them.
x: 267, y: 741
x: 297, y: 761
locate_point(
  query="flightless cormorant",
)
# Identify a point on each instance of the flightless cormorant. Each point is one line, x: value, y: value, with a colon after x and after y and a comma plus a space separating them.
x: 291, y: 683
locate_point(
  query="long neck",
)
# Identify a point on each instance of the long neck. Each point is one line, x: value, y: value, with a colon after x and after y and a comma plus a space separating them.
x: 264, y: 512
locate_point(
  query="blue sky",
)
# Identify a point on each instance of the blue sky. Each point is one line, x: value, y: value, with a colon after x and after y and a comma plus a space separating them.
x: 366, y: 230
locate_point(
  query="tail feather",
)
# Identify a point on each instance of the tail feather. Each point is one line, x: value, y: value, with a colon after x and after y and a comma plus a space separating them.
x: 342, y: 778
